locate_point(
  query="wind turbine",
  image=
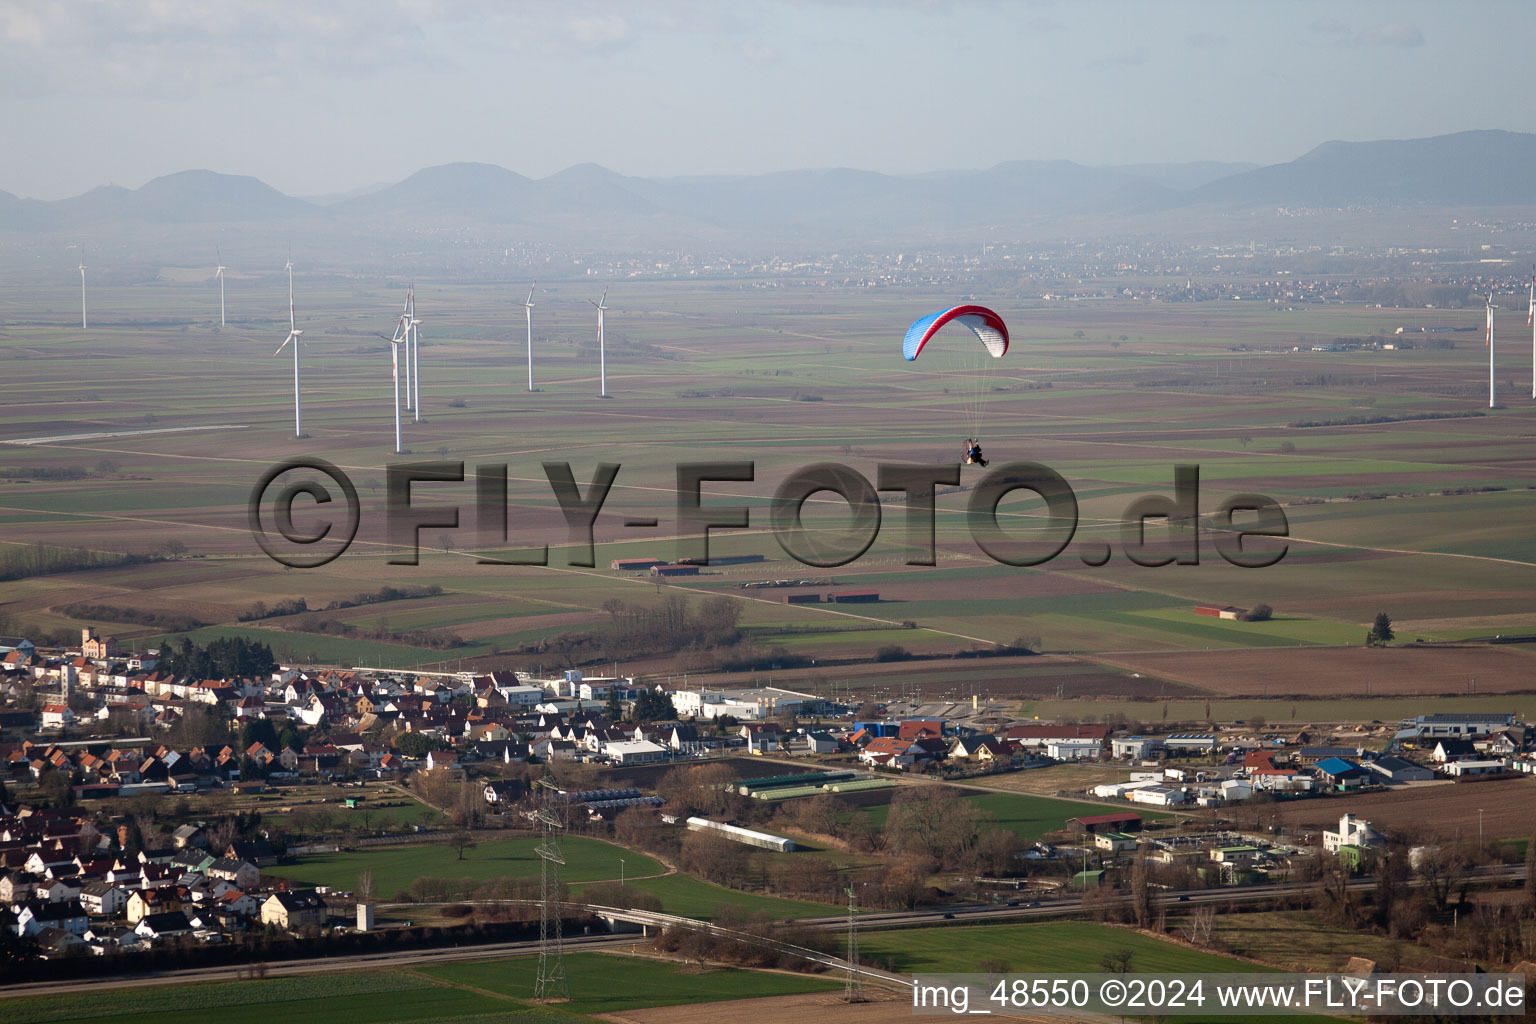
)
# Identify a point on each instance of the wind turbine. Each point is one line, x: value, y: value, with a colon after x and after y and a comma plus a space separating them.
x: 220, y: 275
x: 528, y: 308
x: 394, y: 353
x: 602, y: 346
x: 1530, y: 319
x: 293, y: 336
x: 413, y: 353
x: 405, y: 326
x: 82, y: 285
x: 1492, y: 402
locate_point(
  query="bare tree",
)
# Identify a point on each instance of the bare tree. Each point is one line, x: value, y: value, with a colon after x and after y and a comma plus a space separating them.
x: 460, y: 842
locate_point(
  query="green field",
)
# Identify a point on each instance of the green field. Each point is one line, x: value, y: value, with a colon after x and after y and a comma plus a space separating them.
x: 396, y: 867
x: 606, y: 984
x: 693, y: 897
x: 484, y: 992
x: 374, y: 997
x: 1048, y: 948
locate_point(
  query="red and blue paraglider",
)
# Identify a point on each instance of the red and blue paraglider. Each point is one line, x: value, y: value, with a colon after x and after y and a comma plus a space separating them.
x: 993, y: 335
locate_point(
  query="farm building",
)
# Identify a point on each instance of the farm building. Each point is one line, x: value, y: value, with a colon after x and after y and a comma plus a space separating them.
x: 635, y: 564
x: 722, y: 560
x: 802, y: 598
x: 743, y: 835
x: 1229, y: 611
x: 854, y: 597
x: 674, y: 570
x: 753, y: 787
x: 1121, y: 821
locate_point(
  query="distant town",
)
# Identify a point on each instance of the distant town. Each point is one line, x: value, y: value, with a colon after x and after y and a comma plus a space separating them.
x: 146, y: 808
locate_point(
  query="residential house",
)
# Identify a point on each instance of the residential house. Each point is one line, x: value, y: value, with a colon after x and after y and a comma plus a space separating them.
x: 69, y: 916
x: 888, y: 752
x: 257, y: 851
x: 166, y: 925
x: 242, y: 874
x: 145, y: 902
x: 293, y: 910
x: 1454, y: 750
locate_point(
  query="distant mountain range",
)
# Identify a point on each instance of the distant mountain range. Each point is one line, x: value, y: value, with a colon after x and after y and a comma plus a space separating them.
x: 1476, y: 168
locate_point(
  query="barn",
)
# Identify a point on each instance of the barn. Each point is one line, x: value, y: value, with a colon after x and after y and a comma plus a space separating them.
x: 674, y: 570
x: 854, y: 597
x: 635, y: 564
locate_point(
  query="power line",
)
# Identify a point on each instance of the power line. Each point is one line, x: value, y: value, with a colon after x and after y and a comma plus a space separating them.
x: 853, y: 990
x: 551, y: 982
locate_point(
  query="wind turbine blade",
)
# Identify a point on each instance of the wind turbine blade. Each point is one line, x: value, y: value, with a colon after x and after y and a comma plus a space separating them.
x: 604, y: 298
x: 291, y: 336
x: 530, y: 293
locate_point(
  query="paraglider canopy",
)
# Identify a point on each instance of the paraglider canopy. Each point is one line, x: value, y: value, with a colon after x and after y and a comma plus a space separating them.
x: 984, y: 323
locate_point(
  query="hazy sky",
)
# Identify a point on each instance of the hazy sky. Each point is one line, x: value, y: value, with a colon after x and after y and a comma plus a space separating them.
x: 318, y: 97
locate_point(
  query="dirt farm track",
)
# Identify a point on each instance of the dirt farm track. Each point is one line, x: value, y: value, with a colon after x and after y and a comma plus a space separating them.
x: 1408, y: 671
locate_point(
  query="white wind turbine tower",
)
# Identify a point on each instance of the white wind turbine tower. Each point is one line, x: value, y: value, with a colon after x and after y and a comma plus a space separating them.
x: 602, y: 346
x: 220, y: 275
x: 413, y: 363
x: 528, y: 308
x: 394, y: 352
x: 1492, y: 400
x: 1530, y: 320
x: 405, y: 325
x: 82, y: 285
x: 293, y: 336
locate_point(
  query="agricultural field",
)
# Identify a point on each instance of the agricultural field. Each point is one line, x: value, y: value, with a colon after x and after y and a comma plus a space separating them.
x: 1500, y: 809
x: 688, y: 896
x: 395, y: 868
x: 605, y: 983
x: 1394, y: 515
x: 375, y: 997
x: 482, y: 992
x: 1048, y: 948
x: 1352, y: 672
x: 1071, y: 947
x: 1279, y: 715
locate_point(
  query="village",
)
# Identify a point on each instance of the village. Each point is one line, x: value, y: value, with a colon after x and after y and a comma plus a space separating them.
x: 112, y: 762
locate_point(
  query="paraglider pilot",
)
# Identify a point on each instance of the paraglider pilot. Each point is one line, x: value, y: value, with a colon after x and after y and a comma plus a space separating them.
x: 973, y: 455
